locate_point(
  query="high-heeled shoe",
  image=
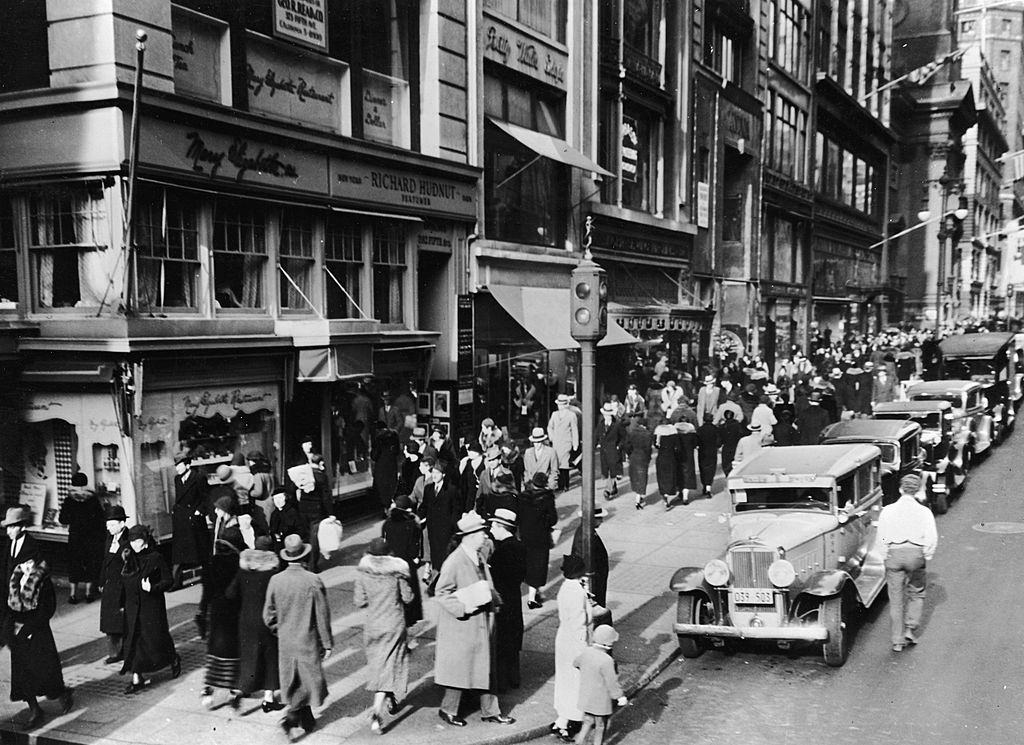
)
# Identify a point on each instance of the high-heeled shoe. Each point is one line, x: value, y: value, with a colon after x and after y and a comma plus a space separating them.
x: 391, y: 704
x: 639, y: 504
x: 134, y: 687
x: 534, y: 604
x: 269, y: 706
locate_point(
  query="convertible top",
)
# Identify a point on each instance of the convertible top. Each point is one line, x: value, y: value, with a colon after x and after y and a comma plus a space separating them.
x: 974, y: 345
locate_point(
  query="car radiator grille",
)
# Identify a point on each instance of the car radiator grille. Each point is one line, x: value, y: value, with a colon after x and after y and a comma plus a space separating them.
x: 750, y: 567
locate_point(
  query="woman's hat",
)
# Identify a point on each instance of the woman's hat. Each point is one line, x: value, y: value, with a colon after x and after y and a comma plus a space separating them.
x: 538, y: 435
x: 605, y: 635
x: 226, y: 504
x: 419, y: 433
x: 540, y: 480
x: 115, y: 512
x: 295, y: 549
x: 488, y: 422
x: 470, y: 522
x: 504, y: 517
x: 505, y: 478
x: 16, y: 516
x: 378, y: 547
x: 264, y: 543
x: 79, y: 479
x: 136, y: 532
x: 573, y: 566
x: 403, y: 502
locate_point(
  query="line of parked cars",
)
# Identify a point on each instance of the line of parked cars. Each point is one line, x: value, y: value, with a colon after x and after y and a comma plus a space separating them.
x: 801, y: 560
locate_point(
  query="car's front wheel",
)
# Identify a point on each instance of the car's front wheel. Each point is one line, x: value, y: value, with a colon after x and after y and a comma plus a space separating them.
x: 832, y: 613
x: 940, y: 499
x: 693, y: 609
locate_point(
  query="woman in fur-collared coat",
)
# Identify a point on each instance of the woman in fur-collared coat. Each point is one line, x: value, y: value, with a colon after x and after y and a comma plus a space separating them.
x: 383, y: 588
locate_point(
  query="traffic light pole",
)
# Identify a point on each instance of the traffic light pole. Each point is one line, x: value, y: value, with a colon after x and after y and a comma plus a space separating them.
x: 588, y: 351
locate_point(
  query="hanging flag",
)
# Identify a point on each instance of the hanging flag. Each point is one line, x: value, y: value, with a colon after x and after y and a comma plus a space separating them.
x: 163, y: 218
x: 1015, y: 161
x: 921, y: 75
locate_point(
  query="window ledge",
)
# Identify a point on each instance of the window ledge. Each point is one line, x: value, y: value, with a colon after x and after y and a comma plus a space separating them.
x: 641, y: 218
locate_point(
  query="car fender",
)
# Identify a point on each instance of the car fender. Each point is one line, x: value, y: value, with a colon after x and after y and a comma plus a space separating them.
x: 689, y: 579
x: 826, y: 583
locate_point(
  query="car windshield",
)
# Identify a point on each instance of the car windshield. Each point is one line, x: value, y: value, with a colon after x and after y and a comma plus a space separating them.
x: 966, y: 369
x: 927, y: 421
x: 782, y: 497
x: 953, y: 398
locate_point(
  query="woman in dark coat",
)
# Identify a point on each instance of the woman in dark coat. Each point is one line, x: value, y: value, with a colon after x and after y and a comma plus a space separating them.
x: 707, y: 452
x: 382, y: 587
x: 83, y: 515
x: 686, y: 477
x: 222, y: 656
x: 609, y: 436
x: 257, y: 646
x: 112, y: 600
x: 385, y: 456
x: 148, y: 645
x: 286, y: 518
x: 537, y: 517
x: 404, y: 537
x: 190, y: 542
x: 638, y: 444
x: 666, y: 439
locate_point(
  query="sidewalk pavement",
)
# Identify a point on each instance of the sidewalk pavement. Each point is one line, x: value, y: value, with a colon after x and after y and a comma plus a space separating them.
x: 645, y: 548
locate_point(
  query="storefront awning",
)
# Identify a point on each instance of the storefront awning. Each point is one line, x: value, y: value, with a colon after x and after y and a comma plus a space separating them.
x: 330, y: 364
x: 544, y: 313
x: 548, y: 146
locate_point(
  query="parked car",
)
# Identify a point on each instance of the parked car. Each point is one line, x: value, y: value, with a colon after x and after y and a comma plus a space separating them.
x: 971, y: 424
x: 801, y: 559
x: 989, y: 359
x: 900, y: 443
x: 942, y: 455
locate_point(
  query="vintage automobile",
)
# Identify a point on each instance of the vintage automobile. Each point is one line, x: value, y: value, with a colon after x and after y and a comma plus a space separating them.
x: 989, y: 359
x: 801, y: 559
x: 900, y: 443
x: 942, y: 454
x: 971, y: 423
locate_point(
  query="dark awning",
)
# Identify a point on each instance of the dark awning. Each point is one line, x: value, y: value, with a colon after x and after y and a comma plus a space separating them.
x: 544, y: 313
x: 548, y: 146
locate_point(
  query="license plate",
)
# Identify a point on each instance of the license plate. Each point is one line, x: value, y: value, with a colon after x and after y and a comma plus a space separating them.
x: 753, y: 597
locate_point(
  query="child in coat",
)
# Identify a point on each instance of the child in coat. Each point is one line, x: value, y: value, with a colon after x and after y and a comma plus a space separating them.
x: 599, y: 684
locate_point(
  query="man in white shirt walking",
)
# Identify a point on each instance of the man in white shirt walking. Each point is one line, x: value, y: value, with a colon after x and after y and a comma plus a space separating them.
x: 907, y: 539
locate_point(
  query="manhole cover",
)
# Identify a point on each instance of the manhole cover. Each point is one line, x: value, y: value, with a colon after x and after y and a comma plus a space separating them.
x: 999, y: 527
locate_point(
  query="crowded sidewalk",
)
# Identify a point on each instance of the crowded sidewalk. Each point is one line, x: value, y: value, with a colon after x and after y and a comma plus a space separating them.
x: 645, y: 548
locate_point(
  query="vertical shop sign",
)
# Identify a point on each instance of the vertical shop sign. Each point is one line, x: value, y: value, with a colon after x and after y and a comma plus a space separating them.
x: 703, y: 204
x: 464, y: 369
x: 302, y: 21
x: 630, y: 149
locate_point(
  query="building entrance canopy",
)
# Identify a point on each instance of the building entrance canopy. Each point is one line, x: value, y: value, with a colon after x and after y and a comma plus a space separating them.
x: 548, y: 146
x: 544, y: 313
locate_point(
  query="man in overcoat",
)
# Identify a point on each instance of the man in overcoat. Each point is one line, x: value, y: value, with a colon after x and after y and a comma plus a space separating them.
x: 463, y: 658
x: 540, y: 458
x: 440, y: 508
x: 296, y: 610
x: 112, y: 598
x: 564, y: 433
x: 190, y: 542
x: 508, y: 569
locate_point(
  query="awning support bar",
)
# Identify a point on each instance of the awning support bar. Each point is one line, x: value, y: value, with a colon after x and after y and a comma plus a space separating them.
x: 342, y: 288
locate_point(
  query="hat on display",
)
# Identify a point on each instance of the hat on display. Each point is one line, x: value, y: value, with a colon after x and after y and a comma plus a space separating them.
x: 378, y: 547
x: 504, y: 517
x: 754, y: 426
x: 16, y: 516
x: 419, y: 433
x: 488, y: 422
x: 470, y: 522
x: 295, y: 549
x: 115, y: 512
x: 605, y: 635
x: 538, y: 435
x: 562, y: 399
x: 226, y: 504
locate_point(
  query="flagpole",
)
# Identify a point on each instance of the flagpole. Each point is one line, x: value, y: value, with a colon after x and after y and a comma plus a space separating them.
x: 133, y: 158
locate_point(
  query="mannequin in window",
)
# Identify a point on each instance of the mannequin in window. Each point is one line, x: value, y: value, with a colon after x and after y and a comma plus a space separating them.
x: 226, y: 298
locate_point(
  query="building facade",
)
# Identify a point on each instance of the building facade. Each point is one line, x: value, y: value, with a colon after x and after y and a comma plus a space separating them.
x: 303, y: 196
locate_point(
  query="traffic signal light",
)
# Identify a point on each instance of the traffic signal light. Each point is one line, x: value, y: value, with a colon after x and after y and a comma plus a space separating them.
x: 589, y: 302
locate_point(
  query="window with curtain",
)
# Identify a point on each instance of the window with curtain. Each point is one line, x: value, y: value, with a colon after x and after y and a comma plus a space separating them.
x: 389, y: 265
x: 544, y: 16
x: 166, y: 237
x: 343, y: 266
x: 68, y: 235
x: 8, y: 257
x: 296, y: 259
x: 239, y: 255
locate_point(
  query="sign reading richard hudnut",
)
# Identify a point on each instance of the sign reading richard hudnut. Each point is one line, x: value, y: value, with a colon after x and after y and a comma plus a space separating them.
x: 408, y: 191
x: 302, y: 21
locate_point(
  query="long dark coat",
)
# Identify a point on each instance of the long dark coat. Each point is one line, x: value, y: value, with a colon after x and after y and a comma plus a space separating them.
x: 87, y: 532
x: 385, y: 456
x: 408, y: 472
x: 35, y: 663
x: 190, y: 542
x: 287, y: 521
x: 30, y: 549
x: 666, y: 437
x: 811, y: 423
x: 442, y: 511
x: 610, y: 438
x: 148, y: 645
x: 469, y: 483
x: 382, y: 587
x: 222, y: 640
x: 707, y: 453
x: 638, y: 445
x: 296, y: 611
x: 536, y: 517
x: 508, y: 570
x: 257, y: 646
x: 600, y: 567
x: 405, y: 539
x: 686, y: 476
x: 731, y: 432
x: 112, y: 600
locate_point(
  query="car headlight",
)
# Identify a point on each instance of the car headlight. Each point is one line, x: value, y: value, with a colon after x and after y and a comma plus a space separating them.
x: 716, y: 572
x: 781, y: 573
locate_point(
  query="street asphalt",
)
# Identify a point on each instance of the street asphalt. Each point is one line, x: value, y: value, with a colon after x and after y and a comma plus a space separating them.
x: 645, y: 548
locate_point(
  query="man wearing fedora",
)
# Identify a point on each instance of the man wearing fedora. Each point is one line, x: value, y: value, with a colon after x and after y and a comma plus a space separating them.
x: 750, y: 444
x: 564, y: 433
x: 707, y: 397
x: 297, y: 612
x: 112, y: 597
x: 540, y: 458
x: 440, y: 509
x: 35, y: 663
x: 812, y: 420
x: 508, y: 569
x: 190, y: 537
x: 610, y: 436
x: 465, y: 625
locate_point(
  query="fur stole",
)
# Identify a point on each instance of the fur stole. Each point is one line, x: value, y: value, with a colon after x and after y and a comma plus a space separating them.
x: 26, y: 582
x: 383, y: 566
x: 254, y: 560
